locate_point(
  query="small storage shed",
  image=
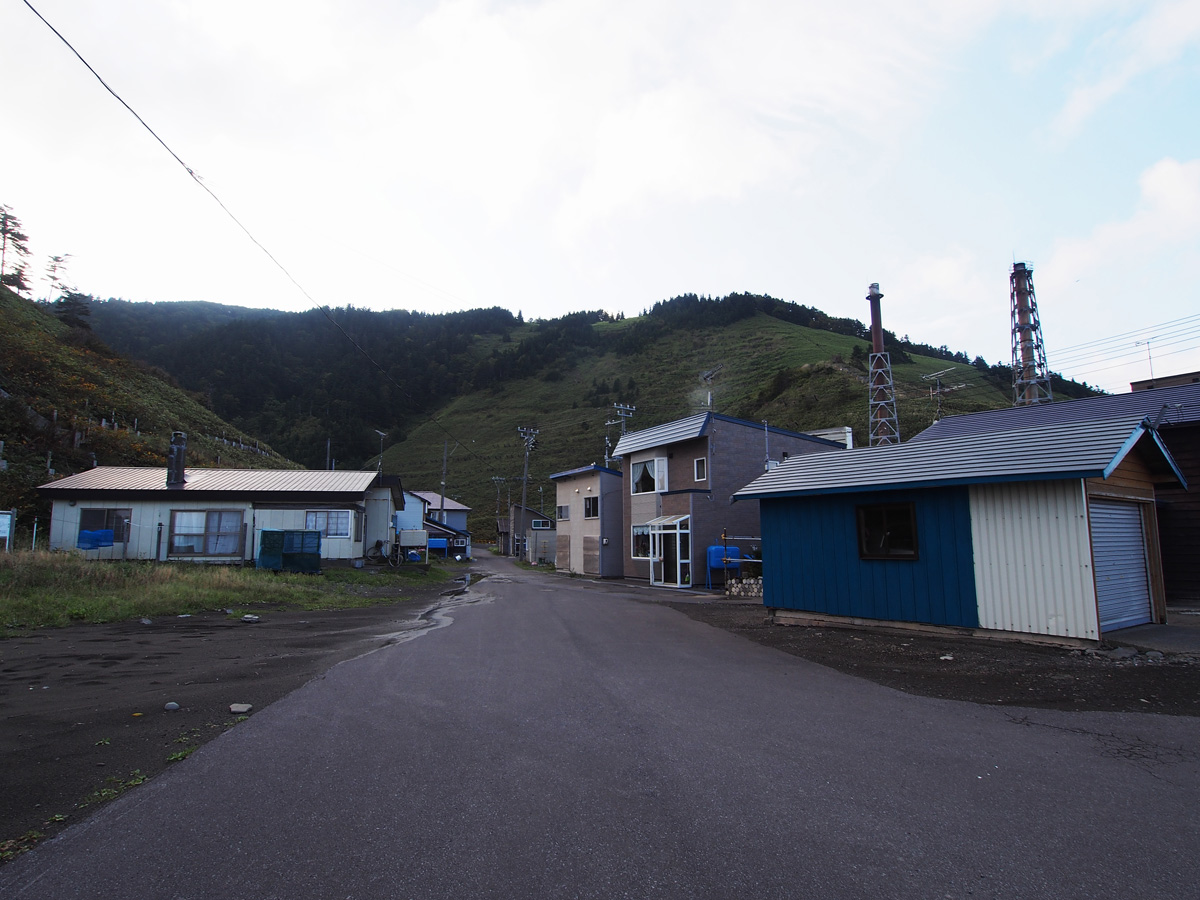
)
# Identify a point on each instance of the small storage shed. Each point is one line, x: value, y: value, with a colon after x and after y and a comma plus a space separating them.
x: 1047, y: 530
x: 588, y: 515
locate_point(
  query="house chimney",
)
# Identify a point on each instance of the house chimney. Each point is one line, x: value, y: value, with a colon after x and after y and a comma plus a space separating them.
x: 175, y: 460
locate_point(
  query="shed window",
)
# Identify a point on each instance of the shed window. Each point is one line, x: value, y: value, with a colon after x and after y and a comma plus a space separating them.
x: 591, y: 507
x: 206, y: 532
x: 332, y: 523
x: 541, y: 524
x: 114, y: 520
x: 564, y: 513
x: 887, y: 531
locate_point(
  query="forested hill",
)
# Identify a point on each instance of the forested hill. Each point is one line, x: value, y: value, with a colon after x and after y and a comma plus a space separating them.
x: 67, y: 402
x: 469, y: 379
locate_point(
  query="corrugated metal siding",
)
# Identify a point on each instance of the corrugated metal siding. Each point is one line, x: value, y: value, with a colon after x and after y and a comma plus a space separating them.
x: 1033, y: 564
x: 1122, y: 580
x: 811, y: 563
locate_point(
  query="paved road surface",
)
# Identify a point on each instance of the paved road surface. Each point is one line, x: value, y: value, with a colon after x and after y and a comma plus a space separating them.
x: 561, y: 739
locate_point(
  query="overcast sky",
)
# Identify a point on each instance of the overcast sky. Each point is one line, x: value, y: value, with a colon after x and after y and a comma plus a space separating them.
x: 604, y: 154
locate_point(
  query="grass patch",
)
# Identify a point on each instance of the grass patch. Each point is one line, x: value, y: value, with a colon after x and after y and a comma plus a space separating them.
x: 38, y: 588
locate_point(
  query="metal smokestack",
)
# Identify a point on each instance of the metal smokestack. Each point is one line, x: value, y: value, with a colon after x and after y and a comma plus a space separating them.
x: 874, y: 296
x: 176, y: 461
x: 885, y: 424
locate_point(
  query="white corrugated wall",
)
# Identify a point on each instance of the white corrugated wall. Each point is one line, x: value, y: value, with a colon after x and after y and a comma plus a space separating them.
x: 1033, y: 561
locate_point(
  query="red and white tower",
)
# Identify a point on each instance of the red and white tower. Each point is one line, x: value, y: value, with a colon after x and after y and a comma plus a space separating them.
x: 1031, y: 377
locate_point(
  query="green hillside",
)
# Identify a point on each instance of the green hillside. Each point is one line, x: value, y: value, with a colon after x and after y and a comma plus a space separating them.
x: 67, y: 401
x: 795, y: 377
x: 459, y: 385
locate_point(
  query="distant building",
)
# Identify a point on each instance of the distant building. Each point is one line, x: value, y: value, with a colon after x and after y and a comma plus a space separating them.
x: 677, y: 481
x: 589, y: 521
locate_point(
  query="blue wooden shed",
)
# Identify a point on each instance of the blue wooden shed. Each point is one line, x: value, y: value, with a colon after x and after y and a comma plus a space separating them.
x: 1047, y: 530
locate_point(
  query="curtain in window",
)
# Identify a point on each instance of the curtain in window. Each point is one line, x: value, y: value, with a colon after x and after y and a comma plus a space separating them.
x: 642, y: 476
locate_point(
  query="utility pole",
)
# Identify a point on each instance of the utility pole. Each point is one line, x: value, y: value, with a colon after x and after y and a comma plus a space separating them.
x: 624, y: 411
x: 445, y: 463
x: 529, y: 436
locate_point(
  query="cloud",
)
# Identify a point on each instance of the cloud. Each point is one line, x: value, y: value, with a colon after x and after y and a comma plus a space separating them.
x: 1167, y: 217
x: 1155, y: 40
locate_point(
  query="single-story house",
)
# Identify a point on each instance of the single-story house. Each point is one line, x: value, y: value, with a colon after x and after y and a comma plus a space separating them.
x: 1174, y: 410
x: 215, y: 515
x: 677, y: 482
x: 1047, y: 530
x: 589, y: 521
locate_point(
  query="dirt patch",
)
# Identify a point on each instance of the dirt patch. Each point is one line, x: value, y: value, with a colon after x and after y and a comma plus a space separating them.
x: 1006, y: 673
x: 83, y: 707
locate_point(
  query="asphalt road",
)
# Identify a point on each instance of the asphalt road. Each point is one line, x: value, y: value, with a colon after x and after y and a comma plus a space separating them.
x: 562, y: 739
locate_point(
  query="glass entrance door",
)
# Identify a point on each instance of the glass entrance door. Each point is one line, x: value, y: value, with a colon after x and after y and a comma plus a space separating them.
x: 671, y: 551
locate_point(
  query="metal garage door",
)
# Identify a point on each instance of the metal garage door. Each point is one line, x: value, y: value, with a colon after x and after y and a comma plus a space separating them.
x: 1119, y: 552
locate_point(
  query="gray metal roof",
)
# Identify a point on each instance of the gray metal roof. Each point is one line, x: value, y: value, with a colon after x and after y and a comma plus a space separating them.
x: 241, y: 481
x: 693, y: 427
x: 584, y: 470
x: 1182, y: 404
x: 434, y: 499
x: 1062, y: 450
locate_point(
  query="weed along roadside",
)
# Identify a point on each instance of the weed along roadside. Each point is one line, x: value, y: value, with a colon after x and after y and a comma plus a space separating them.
x: 111, y: 672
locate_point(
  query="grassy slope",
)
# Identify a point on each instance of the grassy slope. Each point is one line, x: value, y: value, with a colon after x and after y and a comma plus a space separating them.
x: 62, y: 382
x: 813, y: 393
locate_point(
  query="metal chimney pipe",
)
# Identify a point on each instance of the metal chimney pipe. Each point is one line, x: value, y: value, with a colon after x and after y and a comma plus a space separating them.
x: 1028, y: 370
x: 176, y: 462
x: 874, y: 296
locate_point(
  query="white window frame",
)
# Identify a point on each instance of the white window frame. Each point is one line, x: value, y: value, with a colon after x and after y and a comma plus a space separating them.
x: 214, y: 540
x: 634, y: 531
x: 564, y: 513
x: 117, y: 520
x: 658, y: 469
x: 319, y: 520
x: 541, y: 524
x: 700, y: 468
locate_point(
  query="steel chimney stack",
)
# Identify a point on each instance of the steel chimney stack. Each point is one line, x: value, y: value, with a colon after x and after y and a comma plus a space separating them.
x: 176, y: 462
x: 885, y: 424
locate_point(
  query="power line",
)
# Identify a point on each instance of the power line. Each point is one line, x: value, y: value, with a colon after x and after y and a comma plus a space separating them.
x: 196, y: 178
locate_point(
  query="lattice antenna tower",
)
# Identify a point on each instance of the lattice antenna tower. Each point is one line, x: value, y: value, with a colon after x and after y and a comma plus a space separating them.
x: 885, y: 424
x: 1031, y: 375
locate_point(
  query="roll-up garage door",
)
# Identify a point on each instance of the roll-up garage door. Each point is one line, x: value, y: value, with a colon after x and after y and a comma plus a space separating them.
x: 1119, y: 553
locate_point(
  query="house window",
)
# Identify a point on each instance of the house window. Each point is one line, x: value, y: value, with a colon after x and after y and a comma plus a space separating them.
x: 640, y: 543
x: 114, y: 520
x: 648, y: 476
x: 591, y: 507
x: 332, y: 523
x: 460, y: 542
x: 564, y: 513
x: 887, y: 531
x: 701, y: 467
x: 206, y: 532
x: 540, y: 524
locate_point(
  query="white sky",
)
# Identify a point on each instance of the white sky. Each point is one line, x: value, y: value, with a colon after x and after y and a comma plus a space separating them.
x: 606, y: 154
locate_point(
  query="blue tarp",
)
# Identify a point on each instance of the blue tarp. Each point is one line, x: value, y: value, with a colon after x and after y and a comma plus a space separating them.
x: 94, y: 540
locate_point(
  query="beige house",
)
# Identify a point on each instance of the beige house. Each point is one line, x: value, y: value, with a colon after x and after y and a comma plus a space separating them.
x: 589, y: 521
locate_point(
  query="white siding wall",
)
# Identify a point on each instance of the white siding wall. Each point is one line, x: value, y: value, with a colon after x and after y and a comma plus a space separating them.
x: 143, y: 527
x: 294, y: 520
x: 1033, y: 561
